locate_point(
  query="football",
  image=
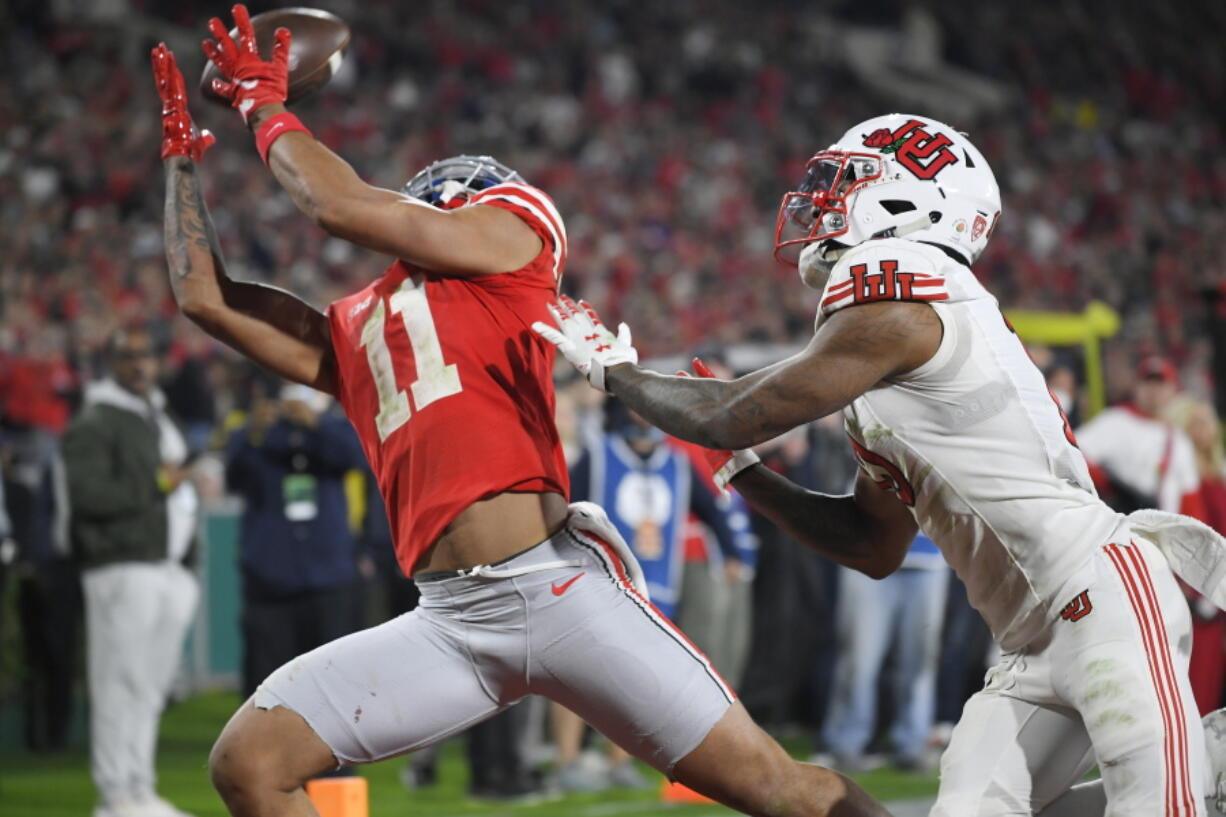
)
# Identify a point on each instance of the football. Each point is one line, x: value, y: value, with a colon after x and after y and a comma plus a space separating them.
x: 315, y: 53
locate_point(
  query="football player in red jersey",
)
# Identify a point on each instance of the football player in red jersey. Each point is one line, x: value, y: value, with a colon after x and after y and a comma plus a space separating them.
x: 451, y: 393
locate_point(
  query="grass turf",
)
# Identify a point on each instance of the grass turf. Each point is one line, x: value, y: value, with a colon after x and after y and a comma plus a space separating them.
x: 60, y: 786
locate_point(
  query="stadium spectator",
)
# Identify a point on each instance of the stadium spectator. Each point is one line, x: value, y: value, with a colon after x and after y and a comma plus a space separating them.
x: 967, y: 650
x: 297, y: 553
x: 48, y: 584
x: 716, y: 605
x: 1208, y: 667
x: 898, y: 617
x: 1137, y: 458
x: 133, y: 523
x: 648, y: 488
x: 794, y: 589
x: 661, y: 155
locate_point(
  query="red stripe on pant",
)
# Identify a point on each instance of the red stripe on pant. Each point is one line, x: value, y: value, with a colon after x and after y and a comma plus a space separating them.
x: 651, y: 609
x: 1179, y: 710
x: 1157, y: 654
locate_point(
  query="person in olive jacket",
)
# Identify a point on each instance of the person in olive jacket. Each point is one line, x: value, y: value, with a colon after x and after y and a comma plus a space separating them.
x: 133, y: 521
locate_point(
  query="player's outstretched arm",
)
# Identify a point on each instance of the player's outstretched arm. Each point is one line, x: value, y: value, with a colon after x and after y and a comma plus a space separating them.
x: 462, y: 242
x: 854, y: 350
x: 268, y: 325
x: 467, y: 241
x: 870, y: 530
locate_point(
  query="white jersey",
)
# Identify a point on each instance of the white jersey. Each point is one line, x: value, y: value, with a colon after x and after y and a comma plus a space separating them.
x: 974, y: 442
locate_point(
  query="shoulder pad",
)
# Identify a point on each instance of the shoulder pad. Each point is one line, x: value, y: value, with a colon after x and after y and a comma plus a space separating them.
x: 885, y: 270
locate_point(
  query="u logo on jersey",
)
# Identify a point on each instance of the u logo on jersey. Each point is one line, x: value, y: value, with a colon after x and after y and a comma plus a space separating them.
x: 1078, y: 608
x: 887, y: 285
x: 883, y: 472
x: 915, y: 148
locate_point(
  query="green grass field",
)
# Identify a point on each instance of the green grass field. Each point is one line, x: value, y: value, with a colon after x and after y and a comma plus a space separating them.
x: 59, y: 785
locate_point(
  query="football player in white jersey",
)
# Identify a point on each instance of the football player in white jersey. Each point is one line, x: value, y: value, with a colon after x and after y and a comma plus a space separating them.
x: 958, y: 435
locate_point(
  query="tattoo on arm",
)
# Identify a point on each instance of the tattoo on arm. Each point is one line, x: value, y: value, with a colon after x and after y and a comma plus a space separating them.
x: 687, y: 407
x: 188, y: 223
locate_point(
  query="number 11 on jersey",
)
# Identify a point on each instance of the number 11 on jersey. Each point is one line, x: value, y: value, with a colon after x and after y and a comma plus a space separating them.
x: 436, y: 378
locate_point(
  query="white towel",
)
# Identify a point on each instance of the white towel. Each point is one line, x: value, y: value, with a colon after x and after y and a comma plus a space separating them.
x: 1195, y: 551
x: 590, y: 517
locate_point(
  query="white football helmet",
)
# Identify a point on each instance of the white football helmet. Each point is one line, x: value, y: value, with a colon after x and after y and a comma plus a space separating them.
x: 891, y: 176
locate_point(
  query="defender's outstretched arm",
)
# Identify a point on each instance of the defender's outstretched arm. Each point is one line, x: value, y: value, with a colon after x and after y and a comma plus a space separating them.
x: 870, y: 530
x: 854, y: 350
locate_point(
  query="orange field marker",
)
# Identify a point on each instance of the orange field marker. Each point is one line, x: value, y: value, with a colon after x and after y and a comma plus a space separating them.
x: 339, y: 796
x: 676, y: 793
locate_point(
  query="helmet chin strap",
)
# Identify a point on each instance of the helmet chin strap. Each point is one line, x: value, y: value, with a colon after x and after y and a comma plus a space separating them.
x: 819, y: 257
x: 899, y: 230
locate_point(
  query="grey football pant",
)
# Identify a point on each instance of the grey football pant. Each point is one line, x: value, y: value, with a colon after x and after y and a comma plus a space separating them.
x: 559, y: 620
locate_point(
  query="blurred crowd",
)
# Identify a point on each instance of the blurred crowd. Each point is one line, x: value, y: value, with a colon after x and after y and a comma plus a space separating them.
x: 666, y: 133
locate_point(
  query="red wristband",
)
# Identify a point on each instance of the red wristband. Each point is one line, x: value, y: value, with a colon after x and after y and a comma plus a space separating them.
x: 274, y: 127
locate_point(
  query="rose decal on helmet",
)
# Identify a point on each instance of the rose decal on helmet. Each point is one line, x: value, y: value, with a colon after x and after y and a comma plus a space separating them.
x: 879, y: 138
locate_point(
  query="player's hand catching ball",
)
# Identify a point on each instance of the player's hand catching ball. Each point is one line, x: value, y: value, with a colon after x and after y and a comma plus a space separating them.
x: 585, y: 341
x: 252, y: 82
x: 724, y: 464
x: 179, y: 134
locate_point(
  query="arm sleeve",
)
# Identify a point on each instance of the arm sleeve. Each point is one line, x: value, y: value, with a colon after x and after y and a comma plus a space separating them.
x: 96, y: 489
x: 704, y: 506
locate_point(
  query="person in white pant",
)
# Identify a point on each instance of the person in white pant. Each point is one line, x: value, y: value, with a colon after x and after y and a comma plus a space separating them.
x: 900, y: 614
x: 133, y: 522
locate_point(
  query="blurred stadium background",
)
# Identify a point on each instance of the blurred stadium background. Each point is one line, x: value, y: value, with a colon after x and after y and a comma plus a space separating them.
x: 666, y: 133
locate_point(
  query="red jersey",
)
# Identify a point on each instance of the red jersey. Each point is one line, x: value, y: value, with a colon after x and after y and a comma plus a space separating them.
x: 450, y: 390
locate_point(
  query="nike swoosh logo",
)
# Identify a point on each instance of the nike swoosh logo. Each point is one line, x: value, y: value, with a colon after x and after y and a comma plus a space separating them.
x: 559, y: 589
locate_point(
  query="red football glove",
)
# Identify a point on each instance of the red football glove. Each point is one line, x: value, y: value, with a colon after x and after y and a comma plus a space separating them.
x: 253, y: 83
x: 179, y: 135
x: 724, y: 464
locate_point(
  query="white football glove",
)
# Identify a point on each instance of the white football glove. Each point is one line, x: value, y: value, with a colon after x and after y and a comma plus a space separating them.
x: 585, y: 341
